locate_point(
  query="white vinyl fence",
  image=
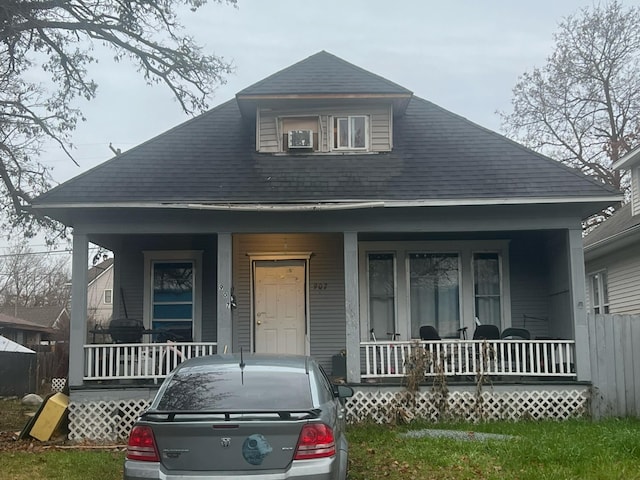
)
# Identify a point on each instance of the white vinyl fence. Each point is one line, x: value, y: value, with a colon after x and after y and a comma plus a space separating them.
x: 615, y: 365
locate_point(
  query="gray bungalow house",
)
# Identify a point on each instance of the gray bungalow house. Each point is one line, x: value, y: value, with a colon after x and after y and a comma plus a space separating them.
x: 328, y: 211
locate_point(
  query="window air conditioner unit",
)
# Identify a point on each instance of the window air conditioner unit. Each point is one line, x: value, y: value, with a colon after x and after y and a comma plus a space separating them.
x: 301, y: 139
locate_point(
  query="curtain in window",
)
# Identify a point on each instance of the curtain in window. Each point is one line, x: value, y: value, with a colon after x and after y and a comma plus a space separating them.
x: 382, y: 295
x: 486, y: 270
x: 435, y: 293
x: 358, y: 132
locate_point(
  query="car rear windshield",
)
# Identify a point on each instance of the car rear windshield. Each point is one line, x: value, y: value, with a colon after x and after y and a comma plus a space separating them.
x: 230, y: 388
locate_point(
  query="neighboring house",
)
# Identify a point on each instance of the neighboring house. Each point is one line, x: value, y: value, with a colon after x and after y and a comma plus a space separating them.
x: 100, y: 294
x: 612, y: 252
x: 321, y: 204
x: 30, y: 326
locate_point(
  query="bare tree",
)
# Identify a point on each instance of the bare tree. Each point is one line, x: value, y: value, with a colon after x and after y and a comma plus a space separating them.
x: 583, y: 107
x: 59, y: 37
x: 29, y: 279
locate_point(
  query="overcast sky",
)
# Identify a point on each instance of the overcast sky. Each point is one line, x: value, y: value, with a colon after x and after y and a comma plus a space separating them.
x: 463, y: 55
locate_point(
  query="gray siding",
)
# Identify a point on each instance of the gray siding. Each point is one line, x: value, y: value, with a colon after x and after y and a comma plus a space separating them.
x: 326, y: 304
x: 268, y: 141
x: 559, y: 296
x: 529, y: 284
x: 380, y: 126
x: 635, y: 191
x: 623, y: 274
x: 131, y: 284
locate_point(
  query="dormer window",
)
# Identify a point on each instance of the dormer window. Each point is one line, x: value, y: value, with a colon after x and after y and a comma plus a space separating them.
x: 351, y: 132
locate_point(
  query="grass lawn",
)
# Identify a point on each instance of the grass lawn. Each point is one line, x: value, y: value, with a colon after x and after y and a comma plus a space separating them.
x: 539, y: 450
x: 536, y: 450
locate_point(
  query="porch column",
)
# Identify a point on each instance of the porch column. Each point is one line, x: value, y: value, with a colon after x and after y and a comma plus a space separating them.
x: 78, y: 322
x: 224, y: 328
x: 352, y: 306
x: 582, y: 361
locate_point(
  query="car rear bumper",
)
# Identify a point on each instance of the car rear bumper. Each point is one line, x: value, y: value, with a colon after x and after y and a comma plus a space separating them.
x: 320, y: 469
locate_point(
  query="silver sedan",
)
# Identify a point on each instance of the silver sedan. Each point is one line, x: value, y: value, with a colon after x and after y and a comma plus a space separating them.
x: 234, y: 416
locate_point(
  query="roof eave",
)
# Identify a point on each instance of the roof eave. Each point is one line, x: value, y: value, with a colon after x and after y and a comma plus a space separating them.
x: 248, y: 103
x: 336, y: 204
x: 612, y: 242
x: 628, y: 160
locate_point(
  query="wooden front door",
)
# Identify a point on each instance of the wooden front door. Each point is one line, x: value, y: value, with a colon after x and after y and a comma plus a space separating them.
x: 280, y: 306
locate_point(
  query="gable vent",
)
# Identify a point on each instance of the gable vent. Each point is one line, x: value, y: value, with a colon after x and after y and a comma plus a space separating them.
x: 301, y: 139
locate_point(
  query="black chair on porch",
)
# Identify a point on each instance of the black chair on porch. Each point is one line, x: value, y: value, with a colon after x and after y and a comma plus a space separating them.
x: 485, y: 353
x: 438, y: 354
x: 519, y: 359
x: 486, y: 332
x: 427, y: 332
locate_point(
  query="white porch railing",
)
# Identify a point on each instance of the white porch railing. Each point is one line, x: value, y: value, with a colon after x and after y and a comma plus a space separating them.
x: 121, y: 361
x: 533, y: 358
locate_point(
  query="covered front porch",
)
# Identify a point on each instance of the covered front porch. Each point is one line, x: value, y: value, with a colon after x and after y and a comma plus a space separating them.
x: 350, y: 281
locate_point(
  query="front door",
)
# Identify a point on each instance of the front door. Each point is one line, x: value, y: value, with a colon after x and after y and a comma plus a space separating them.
x: 280, y: 306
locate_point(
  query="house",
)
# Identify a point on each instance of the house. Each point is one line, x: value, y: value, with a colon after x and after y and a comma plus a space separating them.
x: 612, y: 252
x: 100, y: 294
x: 326, y: 210
x: 31, y: 326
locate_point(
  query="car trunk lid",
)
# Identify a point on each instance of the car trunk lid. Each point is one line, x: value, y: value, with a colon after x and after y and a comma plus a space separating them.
x: 242, y: 442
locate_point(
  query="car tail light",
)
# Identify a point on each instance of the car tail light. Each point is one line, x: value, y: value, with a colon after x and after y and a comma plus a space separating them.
x: 142, y: 445
x: 316, y: 441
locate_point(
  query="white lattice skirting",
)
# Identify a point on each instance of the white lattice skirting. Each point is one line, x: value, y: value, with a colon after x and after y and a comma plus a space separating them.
x: 112, y: 421
x: 104, y: 421
x: 58, y: 384
x: 388, y: 407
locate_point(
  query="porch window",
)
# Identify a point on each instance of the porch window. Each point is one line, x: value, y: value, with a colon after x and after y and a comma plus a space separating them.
x: 445, y: 284
x: 434, y: 292
x: 382, y: 301
x: 486, y: 276
x: 173, y: 287
x: 351, y: 132
x: 599, y: 292
x: 173, y: 299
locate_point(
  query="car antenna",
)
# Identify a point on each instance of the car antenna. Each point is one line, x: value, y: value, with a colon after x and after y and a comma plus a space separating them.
x: 242, y: 365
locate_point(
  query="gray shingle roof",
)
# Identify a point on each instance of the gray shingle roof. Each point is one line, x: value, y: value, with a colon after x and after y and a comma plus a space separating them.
x: 97, y: 270
x: 323, y: 73
x: 437, y: 155
x: 35, y: 318
x: 619, y: 222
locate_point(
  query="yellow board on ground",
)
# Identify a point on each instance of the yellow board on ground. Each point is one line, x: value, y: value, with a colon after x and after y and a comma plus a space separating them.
x: 50, y: 417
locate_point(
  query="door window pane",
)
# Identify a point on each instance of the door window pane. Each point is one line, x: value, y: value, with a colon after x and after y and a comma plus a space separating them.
x: 486, y: 271
x: 435, y: 293
x: 382, y: 306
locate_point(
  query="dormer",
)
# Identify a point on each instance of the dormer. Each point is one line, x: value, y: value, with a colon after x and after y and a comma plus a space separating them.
x: 631, y: 162
x: 323, y: 105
